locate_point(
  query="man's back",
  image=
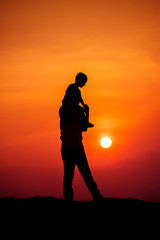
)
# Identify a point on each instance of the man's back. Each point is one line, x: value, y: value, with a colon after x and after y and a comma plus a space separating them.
x: 72, y: 123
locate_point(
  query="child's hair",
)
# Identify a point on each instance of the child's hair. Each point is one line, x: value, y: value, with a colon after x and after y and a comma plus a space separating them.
x: 80, y: 77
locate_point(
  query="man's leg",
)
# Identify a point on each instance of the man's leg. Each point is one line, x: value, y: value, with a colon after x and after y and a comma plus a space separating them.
x: 82, y: 164
x: 69, y: 166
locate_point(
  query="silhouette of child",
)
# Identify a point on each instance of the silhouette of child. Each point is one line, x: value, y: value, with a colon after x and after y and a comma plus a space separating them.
x: 73, y: 96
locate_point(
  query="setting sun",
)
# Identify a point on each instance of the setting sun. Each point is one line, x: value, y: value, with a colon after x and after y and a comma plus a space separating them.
x: 106, y: 142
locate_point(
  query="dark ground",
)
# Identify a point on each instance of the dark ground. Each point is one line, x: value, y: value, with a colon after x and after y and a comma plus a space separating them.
x: 116, y: 217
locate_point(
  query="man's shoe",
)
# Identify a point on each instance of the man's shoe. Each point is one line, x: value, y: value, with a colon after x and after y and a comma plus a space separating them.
x: 98, y: 198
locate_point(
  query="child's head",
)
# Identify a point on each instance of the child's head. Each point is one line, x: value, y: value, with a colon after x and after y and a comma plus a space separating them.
x: 81, y: 79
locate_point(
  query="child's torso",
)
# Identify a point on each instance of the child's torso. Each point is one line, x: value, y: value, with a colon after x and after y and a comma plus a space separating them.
x: 73, y: 95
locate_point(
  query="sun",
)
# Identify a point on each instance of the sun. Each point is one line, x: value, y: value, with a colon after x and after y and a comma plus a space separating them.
x: 106, y: 142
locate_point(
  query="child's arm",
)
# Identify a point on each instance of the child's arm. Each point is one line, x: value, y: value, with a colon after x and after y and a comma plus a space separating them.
x: 82, y: 102
x: 85, y: 118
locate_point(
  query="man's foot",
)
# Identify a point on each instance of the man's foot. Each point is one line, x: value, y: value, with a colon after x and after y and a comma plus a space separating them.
x: 90, y: 125
x: 98, y: 198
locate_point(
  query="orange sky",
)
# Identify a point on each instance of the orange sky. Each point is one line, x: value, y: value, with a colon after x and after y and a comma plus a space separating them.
x: 44, y: 44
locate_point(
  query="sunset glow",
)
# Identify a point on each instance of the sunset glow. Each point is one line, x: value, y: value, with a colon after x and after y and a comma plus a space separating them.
x: 44, y: 44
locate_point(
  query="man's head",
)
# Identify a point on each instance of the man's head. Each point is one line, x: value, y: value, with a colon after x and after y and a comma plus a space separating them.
x: 81, y: 79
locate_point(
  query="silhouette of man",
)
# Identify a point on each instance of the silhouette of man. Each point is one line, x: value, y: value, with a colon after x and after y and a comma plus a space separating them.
x: 72, y: 124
